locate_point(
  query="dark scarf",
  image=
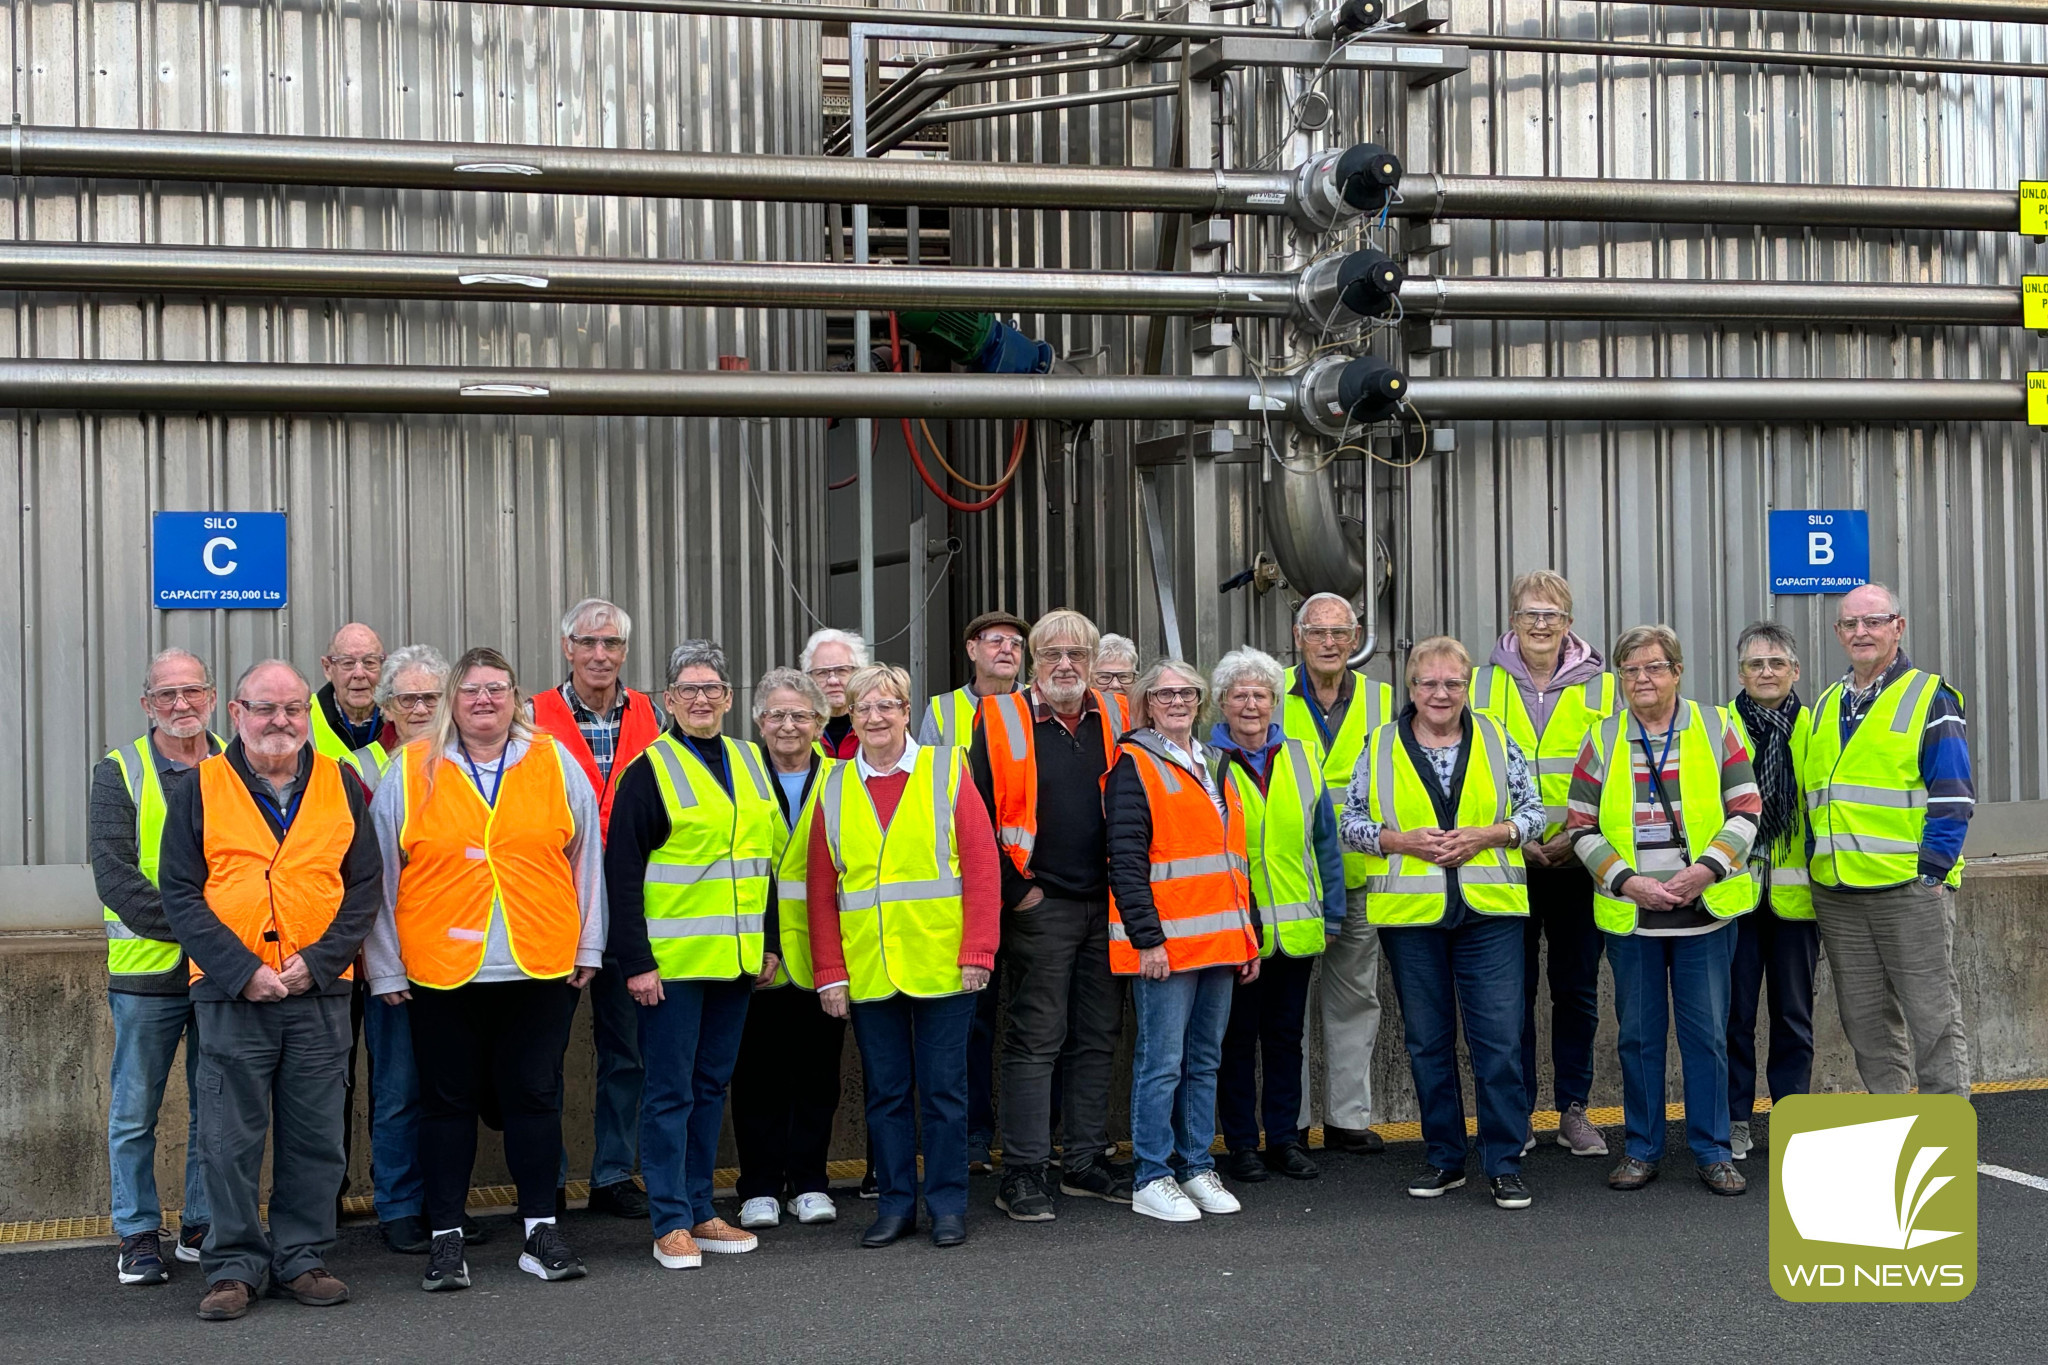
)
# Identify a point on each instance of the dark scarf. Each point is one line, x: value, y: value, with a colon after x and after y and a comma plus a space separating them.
x: 1770, y: 730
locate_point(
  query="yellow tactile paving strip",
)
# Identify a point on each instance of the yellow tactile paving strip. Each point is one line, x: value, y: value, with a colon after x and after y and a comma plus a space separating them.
x: 503, y: 1196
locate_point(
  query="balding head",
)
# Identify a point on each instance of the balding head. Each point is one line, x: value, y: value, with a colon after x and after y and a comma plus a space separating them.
x: 352, y: 662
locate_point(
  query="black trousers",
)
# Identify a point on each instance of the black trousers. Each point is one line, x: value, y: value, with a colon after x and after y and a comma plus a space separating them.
x: 1267, y: 1021
x: 1561, y: 910
x: 785, y: 1093
x: 502, y: 1036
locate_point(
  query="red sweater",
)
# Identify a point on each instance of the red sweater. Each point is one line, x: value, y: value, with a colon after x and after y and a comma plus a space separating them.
x: 973, y: 835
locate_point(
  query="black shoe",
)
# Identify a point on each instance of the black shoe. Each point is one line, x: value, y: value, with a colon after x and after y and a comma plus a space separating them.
x: 473, y: 1233
x: 1509, y: 1192
x: 191, y: 1240
x: 1099, y: 1179
x: 1435, y: 1180
x: 142, y: 1259
x: 1352, y: 1141
x: 948, y: 1229
x: 547, y: 1255
x: 887, y: 1229
x: 620, y: 1199
x: 1246, y: 1167
x: 1292, y: 1160
x: 1024, y: 1197
x: 446, y: 1269
x: 407, y: 1236
x: 870, y: 1188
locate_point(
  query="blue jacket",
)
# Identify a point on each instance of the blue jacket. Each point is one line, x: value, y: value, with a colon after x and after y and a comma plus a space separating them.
x: 1322, y: 832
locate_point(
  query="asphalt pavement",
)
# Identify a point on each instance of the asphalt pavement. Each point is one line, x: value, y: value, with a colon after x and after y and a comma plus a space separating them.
x: 1345, y: 1268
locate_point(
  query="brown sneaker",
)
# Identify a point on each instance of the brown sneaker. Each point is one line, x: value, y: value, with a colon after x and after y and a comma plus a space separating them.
x: 316, y: 1289
x: 226, y: 1301
x: 678, y: 1251
x: 1722, y: 1178
x: 721, y: 1238
x: 1631, y: 1174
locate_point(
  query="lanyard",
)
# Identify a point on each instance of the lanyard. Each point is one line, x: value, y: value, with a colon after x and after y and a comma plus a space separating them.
x: 497, y: 775
x: 286, y: 813
x: 1657, y: 764
x: 1315, y: 710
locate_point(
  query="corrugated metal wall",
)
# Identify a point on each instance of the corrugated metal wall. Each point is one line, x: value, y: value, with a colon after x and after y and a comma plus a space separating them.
x: 449, y: 531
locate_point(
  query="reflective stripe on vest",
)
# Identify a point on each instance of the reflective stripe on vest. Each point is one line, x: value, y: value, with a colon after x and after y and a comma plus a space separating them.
x: 706, y: 890
x: 326, y: 739
x: 1279, y: 826
x: 1701, y: 742
x: 1201, y: 889
x: 902, y: 904
x: 1865, y: 800
x: 1013, y: 765
x: 370, y: 763
x: 277, y: 897
x: 467, y: 863
x: 1556, y: 751
x: 1372, y: 705
x: 1404, y: 889
x: 1785, y: 862
x: 129, y: 953
x: 792, y: 903
x: 953, y: 717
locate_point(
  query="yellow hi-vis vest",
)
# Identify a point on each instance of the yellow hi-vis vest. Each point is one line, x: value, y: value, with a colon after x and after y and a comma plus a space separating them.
x: 1372, y: 705
x: 706, y: 894
x: 1555, y: 752
x: 953, y: 716
x: 1865, y: 800
x: 1279, y: 836
x: 792, y: 869
x: 1791, y: 892
x: 1700, y: 745
x: 1407, y: 890
x: 370, y: 763
x: 902, y: 902
x: 326, y: 739
x: 129, y: 953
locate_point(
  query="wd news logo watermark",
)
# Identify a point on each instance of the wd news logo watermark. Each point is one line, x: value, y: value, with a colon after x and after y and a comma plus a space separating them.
x: 1873, y: 1198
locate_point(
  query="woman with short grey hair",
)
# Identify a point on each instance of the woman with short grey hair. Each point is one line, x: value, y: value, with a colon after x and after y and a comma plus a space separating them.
x: 409, y: 694
x: 1116, y: 664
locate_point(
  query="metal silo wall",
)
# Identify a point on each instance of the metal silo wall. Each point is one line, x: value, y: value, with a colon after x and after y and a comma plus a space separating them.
x: 451, y: 531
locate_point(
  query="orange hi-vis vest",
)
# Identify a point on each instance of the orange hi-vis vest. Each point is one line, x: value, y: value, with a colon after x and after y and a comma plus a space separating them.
x: 465, y: 861
x: 1201, y: 882
x: 277, y: 897
x: 639, y: 727
x: 1007, y: 720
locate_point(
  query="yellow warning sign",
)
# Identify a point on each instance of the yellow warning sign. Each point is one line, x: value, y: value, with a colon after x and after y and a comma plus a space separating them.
x: 2034, y: 208
x: 2034, y: 301
x: 2037, y: 398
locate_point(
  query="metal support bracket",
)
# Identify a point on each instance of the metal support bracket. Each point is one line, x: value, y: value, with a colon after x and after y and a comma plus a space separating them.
x: 1421, y: 65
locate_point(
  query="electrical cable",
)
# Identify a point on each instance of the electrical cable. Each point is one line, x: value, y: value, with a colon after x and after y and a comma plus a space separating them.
x: 768, y: 528
x: 910, y: 442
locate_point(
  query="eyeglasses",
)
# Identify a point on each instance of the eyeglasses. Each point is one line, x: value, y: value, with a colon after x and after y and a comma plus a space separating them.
x: 496, y: 691
x: 1876, y: 620
x: 839, y: 674
x: 780, y: 718
x: 1543, y: 616
x: 1450, y: 687
x: 415, y: 701
x: 349, y: 663
x: 164, y: 698
x: 1766, y: 663
x: 879, y: 706
x: 264, y: 710
x: 1329, y: 634
x: 1114, y: 679
x: 1175, y: 694
x: 610, y: 644
x: 1635, y: 671
x: 1068, y: 656
x: 695, y: 691
x: 1249, y: 696
x: 999, y: 639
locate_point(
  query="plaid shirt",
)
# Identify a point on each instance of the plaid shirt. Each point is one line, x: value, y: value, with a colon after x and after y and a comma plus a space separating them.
x: 601, y: 733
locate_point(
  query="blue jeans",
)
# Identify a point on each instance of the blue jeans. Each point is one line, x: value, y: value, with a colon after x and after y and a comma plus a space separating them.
x: 1696, y: 967
x: 400, y: 1189
x: 907, y: 1044
x: 146, y: 1033
x: 615, y: 1108
x: 1181, y: 1021
x: 690, y: 1042
x: 1473, y: 971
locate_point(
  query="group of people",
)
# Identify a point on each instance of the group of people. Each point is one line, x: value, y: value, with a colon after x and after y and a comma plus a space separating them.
x: 428, y: 854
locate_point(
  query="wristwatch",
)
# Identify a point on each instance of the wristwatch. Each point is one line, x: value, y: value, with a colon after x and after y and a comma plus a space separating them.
x: 1934, y: 882
x: 1514, y: 834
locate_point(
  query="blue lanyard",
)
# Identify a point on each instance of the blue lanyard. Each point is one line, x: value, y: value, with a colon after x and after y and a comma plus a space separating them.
x: 1657, y: 767
x: 285, y: 814
x: 497, y: 776
x: 1315, y: 709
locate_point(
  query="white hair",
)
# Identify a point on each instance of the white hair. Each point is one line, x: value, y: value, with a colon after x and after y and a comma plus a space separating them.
x: 598, y: 612
x: 164, y: 656
x: 1893, y: 604
x: 1301, y: 615
x: 855, y: 646
x: 1116, y: 647
x: 1248, y: 665
x: 412, y: 658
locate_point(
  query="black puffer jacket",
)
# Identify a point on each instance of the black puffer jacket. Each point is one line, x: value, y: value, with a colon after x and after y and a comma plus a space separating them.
x: 1129, y: 814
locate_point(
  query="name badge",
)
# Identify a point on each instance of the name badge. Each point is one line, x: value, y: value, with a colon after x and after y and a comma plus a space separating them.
x: 1655, y: 833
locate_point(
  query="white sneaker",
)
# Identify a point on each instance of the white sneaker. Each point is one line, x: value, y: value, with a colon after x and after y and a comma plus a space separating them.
x: 1209, y: 1195
x: 760, y: 1213
x: 1165, y: 1200
x: 1738, y: 1141
x: 814, y: 1207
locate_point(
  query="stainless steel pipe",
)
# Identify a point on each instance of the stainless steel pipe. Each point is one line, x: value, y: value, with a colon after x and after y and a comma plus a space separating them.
x: 1849, y: 401
x: 1680, y: 301
x: 1559, y: 199
x: 1966, y: 11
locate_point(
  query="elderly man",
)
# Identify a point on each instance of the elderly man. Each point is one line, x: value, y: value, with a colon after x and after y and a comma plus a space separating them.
x: 146, y: 969
x: 1889, y: 797
x: 1039, y: 758
x: 830, y: 657
x: 995, y: 650
x: 345, y: 714
x: 1331, y: 708
x: 271, y: 878
x: 604, y: 725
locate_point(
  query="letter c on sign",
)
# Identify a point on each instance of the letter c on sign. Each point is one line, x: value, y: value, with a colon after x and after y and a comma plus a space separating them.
x: 206, y: 556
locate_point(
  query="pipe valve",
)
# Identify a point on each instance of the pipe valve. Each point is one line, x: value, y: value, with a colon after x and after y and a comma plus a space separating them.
x: 1339, y: 392
x: 1353, y: 16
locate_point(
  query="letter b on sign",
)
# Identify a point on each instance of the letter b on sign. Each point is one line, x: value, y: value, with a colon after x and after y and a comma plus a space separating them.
x: 1820, y: 547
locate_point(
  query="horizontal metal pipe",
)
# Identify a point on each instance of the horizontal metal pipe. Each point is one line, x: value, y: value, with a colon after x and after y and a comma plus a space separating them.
x: 1707, y: 52
x: 1687, y: 300
x: 165, y: 386
x: 1966, y: 11
x: 1559, y: 199
x: 581, y: 279
x: 271, y: 160
x: 1720, y: 400
x: 923, y: 18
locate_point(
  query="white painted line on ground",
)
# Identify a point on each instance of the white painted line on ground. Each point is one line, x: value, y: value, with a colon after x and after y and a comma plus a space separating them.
x: 2016, y: 1177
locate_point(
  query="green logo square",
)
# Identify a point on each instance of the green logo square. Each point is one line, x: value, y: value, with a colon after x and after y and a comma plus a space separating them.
x: 1873, y: 1198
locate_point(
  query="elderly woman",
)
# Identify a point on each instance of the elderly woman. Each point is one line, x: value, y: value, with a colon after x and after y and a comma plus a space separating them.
x: 905, y: 910
x: 493, y: 920
x: 1181, y: 920
x: 785, y: 1089
x: 1116, y: 665
x: 830, y: 657
x: 1663, y: 813
x: 1441, y: 806
x: 689, y: 866
x: 1297, y: 878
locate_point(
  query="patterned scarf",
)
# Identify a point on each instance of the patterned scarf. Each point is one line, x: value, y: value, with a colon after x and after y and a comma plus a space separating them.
x: 1770, y: 730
